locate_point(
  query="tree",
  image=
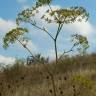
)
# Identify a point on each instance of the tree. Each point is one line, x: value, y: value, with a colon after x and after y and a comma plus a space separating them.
x: 58, y: 16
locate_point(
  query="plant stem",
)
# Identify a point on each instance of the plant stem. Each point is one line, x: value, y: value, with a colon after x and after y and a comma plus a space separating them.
x: 56, y: 52
x: 51, y: 78
x: 54, y: 86
x: 51, y: 75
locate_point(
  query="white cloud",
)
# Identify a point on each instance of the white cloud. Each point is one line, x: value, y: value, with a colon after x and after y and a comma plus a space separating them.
x: 32, y: 47
x: 6, y: 60
x: 6, y: 25
x: 43, y: 9
x: 51, y: 54
x: 83, y: 28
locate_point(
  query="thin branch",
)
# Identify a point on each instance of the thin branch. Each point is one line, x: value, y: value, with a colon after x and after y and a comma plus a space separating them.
x: 67, y: 51
x: 43, y: 29
x: 56, y: 51
x: 58, y: 31
x: 50, y: 7
x: 25, y: 47
x: 33, y: 56
x: 55, y: 45
x: 52, y: 11
x: 55, y: 41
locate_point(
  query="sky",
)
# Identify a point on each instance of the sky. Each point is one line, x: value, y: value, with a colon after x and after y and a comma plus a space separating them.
x: 39, y: 41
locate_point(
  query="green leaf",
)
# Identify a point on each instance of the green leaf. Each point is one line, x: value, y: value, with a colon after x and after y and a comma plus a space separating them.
x: 81, y: 42
x: 82, y: 81
x: 70, y: 15
x: 12, y: 36
x: 44, y: 2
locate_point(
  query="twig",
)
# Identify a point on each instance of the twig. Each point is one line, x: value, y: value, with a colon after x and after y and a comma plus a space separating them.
x: 43, y: 29
x: 67, y: 51
x: 52, y: 11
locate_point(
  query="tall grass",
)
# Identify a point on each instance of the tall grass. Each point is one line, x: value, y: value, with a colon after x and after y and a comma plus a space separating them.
x: 73, y: 76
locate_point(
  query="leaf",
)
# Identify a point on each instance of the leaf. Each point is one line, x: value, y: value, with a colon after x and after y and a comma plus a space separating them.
x: 27, y: 15
x: 12, y: 36
x: 44, y: 2
x: 81, y: 42
x: 70, y: 15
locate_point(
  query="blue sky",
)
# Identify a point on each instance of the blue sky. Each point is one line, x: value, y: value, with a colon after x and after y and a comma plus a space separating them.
x: 40, y: 42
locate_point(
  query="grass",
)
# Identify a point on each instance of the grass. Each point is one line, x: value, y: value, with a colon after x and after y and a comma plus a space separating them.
x: 73, y: 76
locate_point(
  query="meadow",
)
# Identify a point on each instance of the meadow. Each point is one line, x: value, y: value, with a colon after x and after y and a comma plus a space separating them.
x: 73, y: 76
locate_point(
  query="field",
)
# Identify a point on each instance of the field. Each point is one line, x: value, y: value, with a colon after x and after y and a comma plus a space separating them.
x: 73, y: 76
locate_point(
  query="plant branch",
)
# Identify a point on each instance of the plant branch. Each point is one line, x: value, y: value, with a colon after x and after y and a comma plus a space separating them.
x: 71, y: 49
x: 59, y: 29
x: 25, y: 47
x: 52, y: 11
x: 56, y: 51
x: 55, y: 41
x: 43, y: 29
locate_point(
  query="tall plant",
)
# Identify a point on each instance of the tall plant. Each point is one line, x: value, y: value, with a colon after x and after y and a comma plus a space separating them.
x: 59, y: 16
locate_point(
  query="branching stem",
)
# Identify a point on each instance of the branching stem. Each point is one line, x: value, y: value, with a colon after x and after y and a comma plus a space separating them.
x: 71, y: 49
x: 43, y: 29
x: 55, y: 41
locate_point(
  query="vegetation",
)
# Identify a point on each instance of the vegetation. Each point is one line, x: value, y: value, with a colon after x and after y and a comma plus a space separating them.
x: 58, y: 17
x: 74, y: 76
x: 65, y: 76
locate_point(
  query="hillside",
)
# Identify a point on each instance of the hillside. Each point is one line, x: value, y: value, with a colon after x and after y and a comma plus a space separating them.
x: 74, y: 76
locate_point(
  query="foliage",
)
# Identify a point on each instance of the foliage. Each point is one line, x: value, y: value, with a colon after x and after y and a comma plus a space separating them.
x: 38, y: 57
x: 68, y: 15
x: 60, y: 17
x: 80, y: 41
x: 82, y: 80
x: 82, y: 85
x: 19, y: 78
x: 43, y: 2
x: 13, y: 35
